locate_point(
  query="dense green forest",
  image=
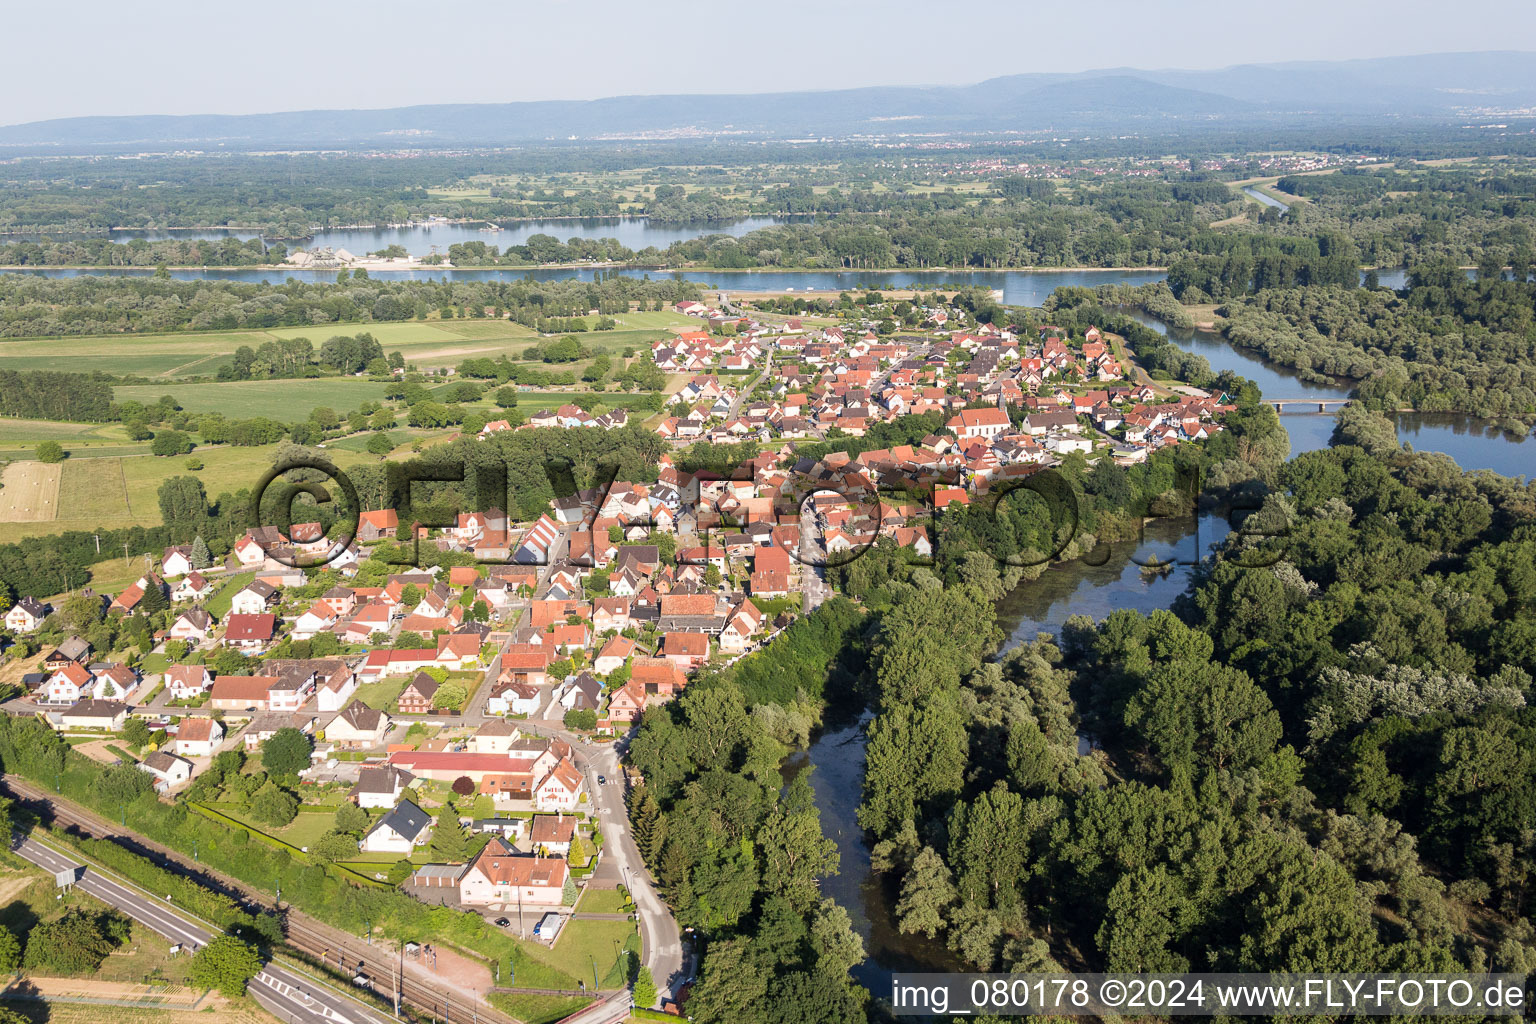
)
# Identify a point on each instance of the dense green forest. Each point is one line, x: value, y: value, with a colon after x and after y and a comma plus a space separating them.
x: 36, y: 307
x: 1316, y: 764
x: 737, y: 852
x: 1448, y: 344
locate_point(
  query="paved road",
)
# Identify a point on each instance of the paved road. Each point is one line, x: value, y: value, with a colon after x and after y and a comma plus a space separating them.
x: 813, y: 565
x: 287, y: 995
x: 743, y: 392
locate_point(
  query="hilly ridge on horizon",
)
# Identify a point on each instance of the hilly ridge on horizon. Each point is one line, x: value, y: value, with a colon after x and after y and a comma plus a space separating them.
x: 1431, y: 85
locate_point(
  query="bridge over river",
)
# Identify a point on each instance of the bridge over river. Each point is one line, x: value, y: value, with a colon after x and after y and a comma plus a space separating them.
x: 1323, y: 404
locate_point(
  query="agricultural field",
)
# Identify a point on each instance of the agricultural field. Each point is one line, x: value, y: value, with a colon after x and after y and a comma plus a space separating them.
x: 87, y: 493
x: 149, y: 355
x: 19, y: 438
x: 18, y: 431
x: 427, y: 343
x: 31, y: 492
x: 282, y: 400
x: 96, y: 489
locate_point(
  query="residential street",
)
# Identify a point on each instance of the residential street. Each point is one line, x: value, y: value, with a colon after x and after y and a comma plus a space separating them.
x: 289, y: 996
x: 659, y: 935
x: 813, y: 565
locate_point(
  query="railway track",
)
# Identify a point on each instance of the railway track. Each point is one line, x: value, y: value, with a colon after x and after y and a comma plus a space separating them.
x: 387, y: 974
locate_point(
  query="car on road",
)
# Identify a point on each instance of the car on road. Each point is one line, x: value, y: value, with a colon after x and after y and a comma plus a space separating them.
x: 502, y: 922
x: 602, y: 780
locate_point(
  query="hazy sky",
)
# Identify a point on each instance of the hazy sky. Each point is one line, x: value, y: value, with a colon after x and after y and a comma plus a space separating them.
x: 65, y: 59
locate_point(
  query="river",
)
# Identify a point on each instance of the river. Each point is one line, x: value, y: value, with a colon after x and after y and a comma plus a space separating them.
x: 422, y: 239
x: 1019, y: 287
x: 1473, y: 443
x: 1267, y: 200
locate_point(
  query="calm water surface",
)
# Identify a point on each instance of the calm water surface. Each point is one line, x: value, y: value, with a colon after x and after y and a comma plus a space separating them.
x: 422, y: 239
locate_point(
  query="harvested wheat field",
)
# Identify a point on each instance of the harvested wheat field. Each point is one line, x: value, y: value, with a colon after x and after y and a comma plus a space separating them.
x: 31, y: 492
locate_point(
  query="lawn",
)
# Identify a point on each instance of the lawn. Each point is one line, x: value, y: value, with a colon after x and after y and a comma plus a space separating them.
x: 536, y: 1009
x: 665, y: 320
x: 382, y: 694
x: 303, y: 831
x: 583, y: 943
x: 602, y: 901
x: 218, y: 604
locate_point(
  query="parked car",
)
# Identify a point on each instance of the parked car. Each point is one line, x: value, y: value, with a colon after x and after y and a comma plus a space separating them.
x: 502, y: 922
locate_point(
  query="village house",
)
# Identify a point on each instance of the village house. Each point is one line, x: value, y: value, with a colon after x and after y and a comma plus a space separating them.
x: 166, y: 769
x: 264, y: 726
x: 357, y: 727
x: 627, y: 703
x: 241, y: 693
x: 25, y: 615
x: 685, y: 650
x: 579, y: 693
x: 551, y: 834
x: 254, y: 598
x: 114, y: 682
x: 379, y: 787
x: 494, y: 737
x: 68, y: 684
x: 185, y: 682
x: 295, y: 683
x: 400, y: 831
x: 499, y: 878
x: 198, y: 737
x: 194, y: 586
x: 249, y: 632
x: 416, y: 698
x: 377, y: 525
x: 317, y: 618
x: 72, y: 649
x: 192, y: 625
x: 177, y: 561
x: 106, y: 715
x: 510, y: 697
x: 613, y: 655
